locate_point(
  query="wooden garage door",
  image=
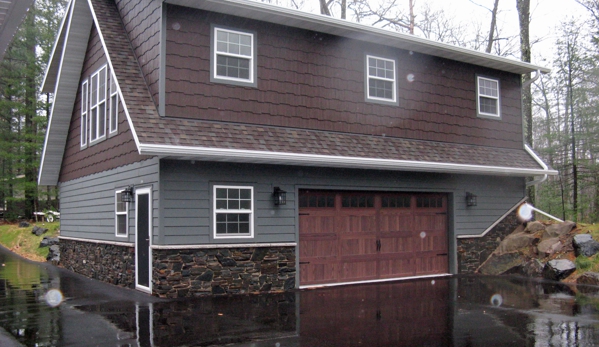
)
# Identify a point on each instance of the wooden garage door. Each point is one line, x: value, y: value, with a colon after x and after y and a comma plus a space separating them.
x: 361, y: 236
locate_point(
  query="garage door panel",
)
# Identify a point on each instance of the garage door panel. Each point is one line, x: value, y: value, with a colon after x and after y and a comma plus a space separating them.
x: 319, y: 272
x: 365, y: 236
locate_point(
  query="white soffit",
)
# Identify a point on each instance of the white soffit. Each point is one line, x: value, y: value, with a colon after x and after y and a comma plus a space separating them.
x: 334, y: 26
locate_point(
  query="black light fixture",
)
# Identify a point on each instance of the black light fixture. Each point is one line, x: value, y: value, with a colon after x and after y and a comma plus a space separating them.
x: 470, y: 199
x: 127, y: 194
x: 280, y: 196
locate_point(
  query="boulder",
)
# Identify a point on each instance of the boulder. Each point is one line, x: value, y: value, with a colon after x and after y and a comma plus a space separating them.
x: 557, y: 230
x: 533, y: 227
x: 549, y: 246
x: 48, y: 241
x: 498, y: 264
x: 38, y: 231
x: 558, y: 269
x: 24, y: 224
x: 514, y: 242
x: 54, y: 254
x: 590, y: 278
x: 585, y: 245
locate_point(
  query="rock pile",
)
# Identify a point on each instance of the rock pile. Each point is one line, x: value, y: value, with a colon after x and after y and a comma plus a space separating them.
x: 542, y: 250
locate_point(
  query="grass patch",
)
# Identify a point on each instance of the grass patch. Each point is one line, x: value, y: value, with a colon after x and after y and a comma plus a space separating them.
x: 24, y: 243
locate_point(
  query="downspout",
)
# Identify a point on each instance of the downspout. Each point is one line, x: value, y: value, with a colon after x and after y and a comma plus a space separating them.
x: 526, y: 147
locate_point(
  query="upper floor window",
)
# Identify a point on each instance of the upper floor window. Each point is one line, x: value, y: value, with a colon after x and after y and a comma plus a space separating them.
x: 233, y: 59
x: 233, y: 212
x: 84, y: 91
x: 113, y: 110
x: 380, y: 80
x: 97, y: 120
x: 488, y: 97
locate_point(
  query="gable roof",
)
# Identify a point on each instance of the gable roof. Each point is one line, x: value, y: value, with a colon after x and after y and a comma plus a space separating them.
x: 217, y: 141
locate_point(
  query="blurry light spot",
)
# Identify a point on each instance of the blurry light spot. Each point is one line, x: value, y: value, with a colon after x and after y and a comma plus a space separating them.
x: 278, y: 344
x: 176, y: 26
x: 496, y: 300
x: 220, y: 314
x: 422, y: 234
x: 433, y: 282
x: 525, y: 212
x: 410, y: 77
x: 54, y: 297
x: 411, y: 53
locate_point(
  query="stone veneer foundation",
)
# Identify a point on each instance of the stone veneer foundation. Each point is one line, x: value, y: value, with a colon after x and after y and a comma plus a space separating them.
x: 473, y: 251
x: 112, y: 263
x: 186, y: 272
x: 196, y: 272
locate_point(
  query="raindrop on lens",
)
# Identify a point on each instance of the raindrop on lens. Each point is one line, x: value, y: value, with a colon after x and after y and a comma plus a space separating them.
x: 496, y: 300
x: 54, y: 297
x: 433, y: 282
x: 422, y: 235
x: 410, y: 77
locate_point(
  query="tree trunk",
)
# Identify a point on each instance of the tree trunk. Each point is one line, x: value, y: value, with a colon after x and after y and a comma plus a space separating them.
x: 493, y: 25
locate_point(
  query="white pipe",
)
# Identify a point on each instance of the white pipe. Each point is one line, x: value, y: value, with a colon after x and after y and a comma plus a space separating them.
x: 525, y: 213
x: 538, y: 160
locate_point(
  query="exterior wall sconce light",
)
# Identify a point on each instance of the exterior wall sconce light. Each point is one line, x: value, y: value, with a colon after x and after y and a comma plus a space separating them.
x: 470, y: 199
x: 127, y: 194
x: 280, y: 196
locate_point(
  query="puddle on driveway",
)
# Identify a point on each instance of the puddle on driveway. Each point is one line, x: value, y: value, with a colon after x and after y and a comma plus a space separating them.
x: 456, y: 311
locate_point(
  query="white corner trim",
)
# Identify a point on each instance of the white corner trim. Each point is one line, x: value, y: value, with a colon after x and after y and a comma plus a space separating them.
x: 266, y: 157
x: 496, y: 222
x: 226, y: 245
x: 105, y: 242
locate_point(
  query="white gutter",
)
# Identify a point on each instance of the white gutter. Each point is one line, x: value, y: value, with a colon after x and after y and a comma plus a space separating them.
x: 265, y: 157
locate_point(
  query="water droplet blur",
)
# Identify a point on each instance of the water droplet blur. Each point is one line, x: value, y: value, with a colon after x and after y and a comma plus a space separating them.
x: 525, y: 212
x: 176, y: 26
x: 278, y: 344
x: 53, y: 297
x: 496, y: 300
x: 422, y: 234
x: 433, y: 282
x: 411, y: 53
x: 410, y: 77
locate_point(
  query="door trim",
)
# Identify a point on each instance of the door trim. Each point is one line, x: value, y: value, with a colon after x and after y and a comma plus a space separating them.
x: 142, y: 191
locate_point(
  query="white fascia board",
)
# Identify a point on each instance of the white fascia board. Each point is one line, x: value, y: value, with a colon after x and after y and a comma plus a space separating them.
x: 118, y: 86
x: 54, y: 59
x: 67, y: 83
x: 264, y: 157
x: 340, y: 27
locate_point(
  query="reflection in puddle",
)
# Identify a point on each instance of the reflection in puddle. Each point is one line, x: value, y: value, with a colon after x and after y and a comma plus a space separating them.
x: 46, y: 306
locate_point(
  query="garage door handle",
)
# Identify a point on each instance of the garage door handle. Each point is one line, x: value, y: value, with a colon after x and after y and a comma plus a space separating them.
x: 304, y: 262
x: 442, y: 254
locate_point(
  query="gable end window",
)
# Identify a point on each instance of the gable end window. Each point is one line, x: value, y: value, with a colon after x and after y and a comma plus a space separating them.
x: 97, y: 97
x: 487, y: 90
x: 113, y: 110
x: 121, y: 215
x: 380, y: 80
x: 233, y: 57
x: 233, y: 212
x: 84, y: 91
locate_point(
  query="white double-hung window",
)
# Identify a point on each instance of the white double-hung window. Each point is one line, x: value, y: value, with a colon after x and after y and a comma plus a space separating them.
x: 84, y: 95
x: 121, y: 215
x: 233, y: 59
x: 380, y: 79
x: 114, y: 106
x: 233, y: 212
x: 97, y: 107
x: 488, y: 97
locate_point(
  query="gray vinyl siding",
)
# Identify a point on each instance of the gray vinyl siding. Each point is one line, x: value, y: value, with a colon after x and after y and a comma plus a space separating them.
x: 87, y: 204
x: 186, y: 192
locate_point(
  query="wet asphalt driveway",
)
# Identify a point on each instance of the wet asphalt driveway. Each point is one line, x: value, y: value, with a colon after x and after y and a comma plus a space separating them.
x: 445, y: 311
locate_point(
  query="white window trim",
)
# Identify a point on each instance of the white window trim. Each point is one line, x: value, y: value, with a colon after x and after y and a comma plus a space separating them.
x: 84, y: 113
x: 215, y: 212
x: 100, y: 135
x: 251, y: 58
x: 113, y: 128
x: 394, y: 81
x: 117, y: 213
x: 497, y: 98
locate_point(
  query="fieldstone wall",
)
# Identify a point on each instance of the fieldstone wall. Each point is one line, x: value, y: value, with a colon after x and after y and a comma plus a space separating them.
x: 473, y: 251
x: 105, y: 262
x: 196, y: 272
